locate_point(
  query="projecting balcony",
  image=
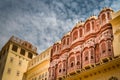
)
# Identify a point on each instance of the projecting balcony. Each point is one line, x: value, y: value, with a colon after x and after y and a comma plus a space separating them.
x: 88, y: 64
x: 61, y: 75
x: 74, y: 69
x: 106, y: 58
x: 64, y: 47
x: 104, y: 22
x: 51, y: 78
x: 77, y: 40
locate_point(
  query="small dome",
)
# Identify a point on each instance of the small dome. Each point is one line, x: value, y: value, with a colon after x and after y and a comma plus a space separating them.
x: 67, y: 33
x: 92, y: 17
x: 105, y: 9
x: 80, y: 23
x: 59, y: 42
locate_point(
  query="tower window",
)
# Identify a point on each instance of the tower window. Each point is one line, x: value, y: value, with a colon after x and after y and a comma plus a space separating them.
x: 14, y: 48
x: 11, y: 59
x: 9, y: 71
x: 30, y: 55
x: 20, y: 63
x: 18, y: 73
x: 22, y: 52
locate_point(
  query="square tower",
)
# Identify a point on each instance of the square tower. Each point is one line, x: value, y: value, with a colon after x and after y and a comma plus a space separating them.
x: 14, y: 58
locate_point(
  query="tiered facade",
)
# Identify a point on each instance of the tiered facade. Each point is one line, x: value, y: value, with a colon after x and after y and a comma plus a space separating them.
x: 87, y: 45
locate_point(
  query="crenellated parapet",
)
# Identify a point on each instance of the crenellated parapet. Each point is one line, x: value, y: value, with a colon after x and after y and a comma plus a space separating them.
x: 23, y: 43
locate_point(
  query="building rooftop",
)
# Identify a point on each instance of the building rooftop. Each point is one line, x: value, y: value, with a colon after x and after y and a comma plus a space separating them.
x: 21, y: 42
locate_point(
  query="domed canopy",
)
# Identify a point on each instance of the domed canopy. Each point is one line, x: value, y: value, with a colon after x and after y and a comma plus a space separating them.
x: 80, y: 23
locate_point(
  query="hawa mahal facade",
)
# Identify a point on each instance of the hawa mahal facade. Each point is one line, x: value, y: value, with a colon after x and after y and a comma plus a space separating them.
x: 87, y: 45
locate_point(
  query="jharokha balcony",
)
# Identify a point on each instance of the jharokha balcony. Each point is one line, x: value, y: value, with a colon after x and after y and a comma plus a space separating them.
x: 61, y: 74
x: 106, y: 57
x: 74, y: 69
x: 88, y: 64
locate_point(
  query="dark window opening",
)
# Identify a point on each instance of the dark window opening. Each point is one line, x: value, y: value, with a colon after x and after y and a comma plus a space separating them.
x: 11, y: 59
x: 88, y: 27
x: 80, y: 32
x: 59, y: 70
x: 67, y: 41
x: 22, y: 52
x: 103, y: 51
x: 45, y: 78
x: 9, y: 71
x: 78, y: 63
x: 20, y: 63
x: 64, y: 42
x: 30, y: 55
x: 63, y: 69
x: 109, y: 49
x: 60, y: 78
x: 3, y: 52
x: 91, y: 57
x: 18, y: 73
x: 14, y: 48
x: 86, y: 58
x: 71, y: 64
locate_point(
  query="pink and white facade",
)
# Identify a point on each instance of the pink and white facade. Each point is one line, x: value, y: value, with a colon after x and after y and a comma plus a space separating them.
x: 88, y: 44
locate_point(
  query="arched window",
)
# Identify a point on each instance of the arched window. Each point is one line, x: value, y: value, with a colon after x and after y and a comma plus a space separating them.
x: 108, y: 15
x: 60, y: 67
x: 59, y: 70
x: 93, y: 25
x: 86, y: 55
x: 92, y: 53
x: 72, y: 64
x: 109, y: 46
x: 78, y: 59
x: 88, y: 27
x: 103, y: 47
x: 51, y: 52
x: 63, y: 41
x: 67, y: 41
x: 72, y: 61
x: 54, y: 48
x: 103, y: 18
x: 78, y: 62
x: 75, y: 35
x: 64, y: 65
x: 57, y: 47
x: 81, y: 33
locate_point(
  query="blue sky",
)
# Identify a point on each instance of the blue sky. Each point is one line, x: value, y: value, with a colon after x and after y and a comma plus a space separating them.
x: 43, y: 22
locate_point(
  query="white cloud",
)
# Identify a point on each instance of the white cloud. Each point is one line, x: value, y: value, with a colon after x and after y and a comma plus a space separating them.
x: 44, y: 22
